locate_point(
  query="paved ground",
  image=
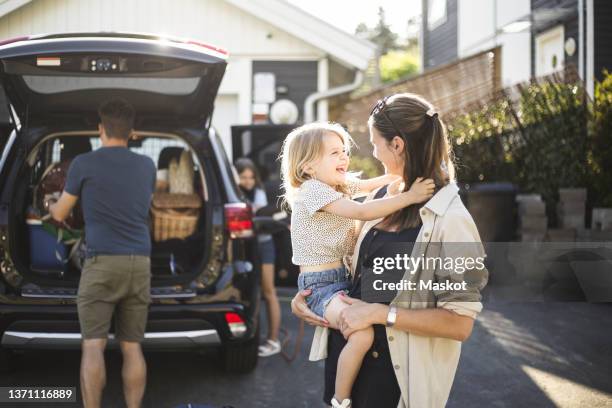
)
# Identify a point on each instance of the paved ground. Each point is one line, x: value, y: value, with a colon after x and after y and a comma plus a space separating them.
x: 519, y: 355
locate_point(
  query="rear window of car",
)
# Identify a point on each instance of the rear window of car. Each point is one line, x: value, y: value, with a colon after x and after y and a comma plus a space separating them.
x: 57, y: 84
x: 151, y: 147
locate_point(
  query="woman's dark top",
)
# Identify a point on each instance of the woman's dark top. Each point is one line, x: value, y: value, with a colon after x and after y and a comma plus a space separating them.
x: 376, y: 385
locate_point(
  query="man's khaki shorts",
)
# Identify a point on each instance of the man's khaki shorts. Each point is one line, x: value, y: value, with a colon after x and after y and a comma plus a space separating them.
x: 119, y: 284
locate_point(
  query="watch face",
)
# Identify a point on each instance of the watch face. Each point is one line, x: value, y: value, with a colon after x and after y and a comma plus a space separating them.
x: 391, y: 316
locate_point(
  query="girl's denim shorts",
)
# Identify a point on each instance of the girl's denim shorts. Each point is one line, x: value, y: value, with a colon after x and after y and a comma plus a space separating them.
x: 325, y: 285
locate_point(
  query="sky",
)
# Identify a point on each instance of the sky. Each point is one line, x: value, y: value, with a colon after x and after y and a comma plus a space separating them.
x: 347, y: 14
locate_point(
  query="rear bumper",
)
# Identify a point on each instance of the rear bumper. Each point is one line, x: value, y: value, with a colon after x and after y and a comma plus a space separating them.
x: 185, y: 326
x: 158, y: 340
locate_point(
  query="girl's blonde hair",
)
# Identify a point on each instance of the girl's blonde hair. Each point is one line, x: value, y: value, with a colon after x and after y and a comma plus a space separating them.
x: 302, y: 146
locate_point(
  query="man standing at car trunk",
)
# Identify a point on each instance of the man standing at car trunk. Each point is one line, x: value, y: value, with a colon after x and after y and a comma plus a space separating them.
x: 115, y: 186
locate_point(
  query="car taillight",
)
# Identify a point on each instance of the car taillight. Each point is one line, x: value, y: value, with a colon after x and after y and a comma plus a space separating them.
x: 239, y: 220
x: 236, y: 324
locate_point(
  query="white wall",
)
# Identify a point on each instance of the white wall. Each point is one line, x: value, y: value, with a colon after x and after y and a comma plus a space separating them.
x: 476, y: 26
x: 225, y: 115
x: 480, y: 20
x: 213, y: 21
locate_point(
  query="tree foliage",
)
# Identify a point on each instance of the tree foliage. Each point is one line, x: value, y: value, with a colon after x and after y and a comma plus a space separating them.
x: 550, y: 137
x: 398, y: 64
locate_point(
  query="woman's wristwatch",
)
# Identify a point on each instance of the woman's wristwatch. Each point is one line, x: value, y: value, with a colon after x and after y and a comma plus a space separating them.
x: 391, y: 316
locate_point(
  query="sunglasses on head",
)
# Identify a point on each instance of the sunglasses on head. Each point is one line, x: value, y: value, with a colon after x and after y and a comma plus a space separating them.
x: 379, y: 107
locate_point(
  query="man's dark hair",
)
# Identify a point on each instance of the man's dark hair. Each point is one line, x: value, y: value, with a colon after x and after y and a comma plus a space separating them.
x: 117, y: 117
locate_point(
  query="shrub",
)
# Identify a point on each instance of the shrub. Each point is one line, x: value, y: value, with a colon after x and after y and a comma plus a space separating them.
x: 600, y: 144
x: 481, y: 144
x: 552, y: 150
x: 537, y: 140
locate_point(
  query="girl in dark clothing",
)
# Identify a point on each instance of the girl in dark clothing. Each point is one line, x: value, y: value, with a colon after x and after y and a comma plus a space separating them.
x: 251, y: 186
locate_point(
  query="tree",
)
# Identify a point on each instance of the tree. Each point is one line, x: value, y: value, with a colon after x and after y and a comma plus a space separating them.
x: 362, y: 30
x: 393, y: 60
x: 397, y: 64
x: 381, y: 34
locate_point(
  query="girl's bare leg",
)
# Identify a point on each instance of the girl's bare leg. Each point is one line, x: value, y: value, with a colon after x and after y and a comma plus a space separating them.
x: 272, y: 303
x: 352, y: 354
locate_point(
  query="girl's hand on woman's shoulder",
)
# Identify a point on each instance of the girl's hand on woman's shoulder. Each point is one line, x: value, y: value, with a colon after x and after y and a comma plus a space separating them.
x: 422, y: 189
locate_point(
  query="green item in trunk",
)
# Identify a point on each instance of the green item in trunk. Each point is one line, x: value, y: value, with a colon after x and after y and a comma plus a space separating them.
x: 67, y: 236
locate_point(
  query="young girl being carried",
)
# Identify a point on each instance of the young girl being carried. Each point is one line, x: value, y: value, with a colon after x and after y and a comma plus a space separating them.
x: 315, y: 159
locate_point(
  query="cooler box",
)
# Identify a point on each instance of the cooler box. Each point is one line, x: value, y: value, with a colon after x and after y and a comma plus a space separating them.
x: 46, y: 254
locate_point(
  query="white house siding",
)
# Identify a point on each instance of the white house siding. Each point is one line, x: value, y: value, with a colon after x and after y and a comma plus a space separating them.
x: 479, y: 22
x: 213, y: 21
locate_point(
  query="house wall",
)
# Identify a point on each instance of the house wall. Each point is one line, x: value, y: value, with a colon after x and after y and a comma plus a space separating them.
x: 213, y: 21
x: 480, y: 23
x: 440, y: 44
x: 300, y: 77
x: 246, y: 37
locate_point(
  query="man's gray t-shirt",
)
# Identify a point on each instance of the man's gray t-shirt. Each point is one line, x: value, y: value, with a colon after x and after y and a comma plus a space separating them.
x: 115, y: 186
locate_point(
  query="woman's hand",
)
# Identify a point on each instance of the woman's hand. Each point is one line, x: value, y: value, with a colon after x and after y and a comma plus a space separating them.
x: 360, y: 315
x: 301, y: 310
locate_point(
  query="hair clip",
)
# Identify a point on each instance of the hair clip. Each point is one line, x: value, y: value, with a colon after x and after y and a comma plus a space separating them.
x: 432, y: 113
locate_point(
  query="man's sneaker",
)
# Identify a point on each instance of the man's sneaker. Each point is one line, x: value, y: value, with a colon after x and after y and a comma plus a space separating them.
x: 346, y: 403
x: 269, y: 348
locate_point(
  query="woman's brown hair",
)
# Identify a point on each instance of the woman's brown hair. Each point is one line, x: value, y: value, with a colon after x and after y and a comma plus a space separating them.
x: 427, y: 152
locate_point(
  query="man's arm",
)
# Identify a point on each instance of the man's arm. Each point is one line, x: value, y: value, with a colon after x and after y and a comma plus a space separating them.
x: 61, y: 209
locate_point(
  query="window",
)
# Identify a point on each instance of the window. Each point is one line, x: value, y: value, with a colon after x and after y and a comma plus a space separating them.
x: 151, y: 147
x: 55, y: 84
x: 436, y: 13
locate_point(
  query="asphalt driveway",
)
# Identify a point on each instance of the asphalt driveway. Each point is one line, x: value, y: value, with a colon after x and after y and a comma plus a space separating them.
x: 530, y: 354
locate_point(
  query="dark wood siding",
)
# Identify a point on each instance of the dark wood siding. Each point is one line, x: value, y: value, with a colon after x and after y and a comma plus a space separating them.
x: 569, y: 21
x: 300, y: 78
x: 440, y: 44
x: 603, y: 36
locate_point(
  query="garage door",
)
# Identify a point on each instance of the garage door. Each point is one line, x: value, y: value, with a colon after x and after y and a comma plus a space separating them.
x: 226, y: 115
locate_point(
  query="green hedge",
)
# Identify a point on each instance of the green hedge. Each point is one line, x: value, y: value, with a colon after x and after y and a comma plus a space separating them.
x: 546, y: 137
x: 599, y: 157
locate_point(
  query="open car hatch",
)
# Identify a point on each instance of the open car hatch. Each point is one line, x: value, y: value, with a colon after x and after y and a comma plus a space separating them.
x: 69, y: 75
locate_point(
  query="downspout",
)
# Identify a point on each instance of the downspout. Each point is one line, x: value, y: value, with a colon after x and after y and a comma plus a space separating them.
x: 309, y: 104
x: 581, y: 39
x: 590, y: 48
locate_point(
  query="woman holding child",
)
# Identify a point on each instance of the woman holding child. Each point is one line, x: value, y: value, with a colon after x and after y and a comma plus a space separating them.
x: 412, y: 361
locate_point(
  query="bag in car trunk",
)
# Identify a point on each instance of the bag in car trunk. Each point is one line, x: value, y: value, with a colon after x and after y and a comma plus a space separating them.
x: 48, y: 253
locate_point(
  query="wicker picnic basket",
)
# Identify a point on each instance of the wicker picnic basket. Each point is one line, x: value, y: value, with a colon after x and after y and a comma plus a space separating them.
x: 174, y: 215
